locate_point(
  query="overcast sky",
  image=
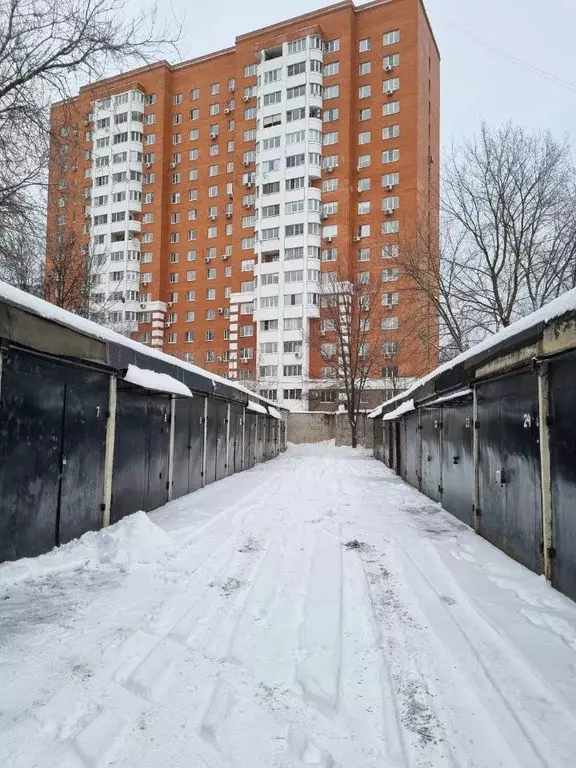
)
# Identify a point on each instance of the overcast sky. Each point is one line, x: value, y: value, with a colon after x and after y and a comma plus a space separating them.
x: 477, y: 83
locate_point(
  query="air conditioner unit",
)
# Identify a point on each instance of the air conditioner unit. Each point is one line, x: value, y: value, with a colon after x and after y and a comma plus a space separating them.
x: 246, y: 163
x: 220, y: 310
x: 328, y: 238
x: 245, y: 98
x: 167, y: 324
x: 219, y: 359
x: 389, y: 211
x: 225, y: 257
x: 213, y: 217
x: 227, y: 110
x: 169, y: 303
x: 228, y: 214
x: 389, y: 187
x: 247, y: 205
x: 213, y: 135
x: 142, y: 306
x: 230, y: 195
x: 86, y: 122
x: 388, y: 68
x: 243, y: 359
x: 387, y: 306
x: 207, y: 259
x: 172, y: 165
x: 330, y: 169
x: 298, y: 355
x: 389, y: 91
x: 247, y: 184
x: 323, y: 215
x: 322, y: 333
x: 356, y: 239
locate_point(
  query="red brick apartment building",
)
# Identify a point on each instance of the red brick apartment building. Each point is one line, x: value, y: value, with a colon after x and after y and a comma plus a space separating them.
x: 210, y: 200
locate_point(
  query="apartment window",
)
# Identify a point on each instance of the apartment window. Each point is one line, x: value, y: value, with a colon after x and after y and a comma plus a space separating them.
x: 268, y: 302
x: 213, y: 150
x: 365, y: 137
x: 390, y: 203
x: 364, y: 161
x: 214, y: 109
x: 173, y: 277
x: 271, y: 120
x: 265, y: 325
x: 389, y: 275
x: 269, y: 347
x: 389, y: 348
x: 390, y: 155
x: 274, y: 98
x: 330, y: 138
x: 270, y: 234
x: 273, y: 142
x: 248, y: 243
x: 250, y: 113
x: 390, y: 131
x: 389, y: 227
x: 246, y: 331
x: 391, y: 85
x: 297, y: 183
x: 364, y: 68
x: 250, y: 70
x: 331, y: 92
x: 389, y: 62
x: 331, y: 46
x: 293, y: 69
x: 294, y: 253
x: 211, y: 294
x: 332, y: 69
x: 330, y: 115
x: 213, y: 170
x: 390, y: 251
x: 273, y: 75
x: 192, y: 234
x: 292, y: 230
x: 177, y: 118
x: 292, y: 370
x: 363, y: 254
x: 330, y: 185
x: 296, y: 46
x: 364, y: 92
x: 364, y: 207
x: 391, y: 108
x: 330, y: 208
x: 215, y: 89
x: 389, y: 38
x: 177, y: 99
x: 390, y: 299
x: 365, y: 114
x: 363, y: 185
x: 293, y: 93
x: 175, y: 178
x: 295, y: 114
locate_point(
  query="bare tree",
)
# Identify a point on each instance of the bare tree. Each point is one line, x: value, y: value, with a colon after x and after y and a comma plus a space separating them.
x: 350, y: 343
x: 46, y: 49
x: 507, y: 235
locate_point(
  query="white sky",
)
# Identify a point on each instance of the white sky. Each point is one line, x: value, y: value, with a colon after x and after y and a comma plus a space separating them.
x: 476, y: 83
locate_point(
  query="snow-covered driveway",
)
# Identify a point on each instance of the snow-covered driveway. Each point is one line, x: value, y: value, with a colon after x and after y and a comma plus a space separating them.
x: 312, y: 611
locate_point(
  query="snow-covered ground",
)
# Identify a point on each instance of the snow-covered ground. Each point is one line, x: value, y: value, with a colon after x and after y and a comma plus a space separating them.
x: 314, y: 611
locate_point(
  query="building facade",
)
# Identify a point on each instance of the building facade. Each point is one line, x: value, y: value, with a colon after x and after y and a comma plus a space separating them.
x: 204, y: 207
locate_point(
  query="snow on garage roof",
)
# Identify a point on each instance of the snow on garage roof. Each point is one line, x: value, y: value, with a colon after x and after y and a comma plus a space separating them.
x: 160, y: 382
x: 41, y: 308
x: 403, y: 408
x: 555, y: 309
x: 256, y: 407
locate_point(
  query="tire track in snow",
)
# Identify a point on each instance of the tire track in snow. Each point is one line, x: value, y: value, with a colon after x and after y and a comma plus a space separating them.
x: 507, y: 716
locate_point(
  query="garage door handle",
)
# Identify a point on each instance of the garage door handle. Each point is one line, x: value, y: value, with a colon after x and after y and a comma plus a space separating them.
x: 429, y: 458
x: 456, y: 460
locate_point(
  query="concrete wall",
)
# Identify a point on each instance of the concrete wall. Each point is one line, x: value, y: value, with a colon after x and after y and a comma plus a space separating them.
x: 316, y: 426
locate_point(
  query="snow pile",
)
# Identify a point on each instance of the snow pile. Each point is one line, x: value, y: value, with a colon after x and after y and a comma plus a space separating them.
x: 133, y: 540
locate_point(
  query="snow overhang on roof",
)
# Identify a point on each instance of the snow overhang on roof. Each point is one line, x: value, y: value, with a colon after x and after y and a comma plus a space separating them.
x: 452, y: 396
x: 376, y: 412
x: 160, y: 382
x: 256, y: 407
x: 274, y: 413
x: 406, y: 407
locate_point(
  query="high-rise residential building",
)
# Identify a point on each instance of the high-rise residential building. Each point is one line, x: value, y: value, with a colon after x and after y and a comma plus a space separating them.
x: 204, y: 207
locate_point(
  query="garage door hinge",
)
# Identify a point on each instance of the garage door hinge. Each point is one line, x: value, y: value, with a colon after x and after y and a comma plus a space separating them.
x: 440, y: 489
x: 551, y: 553
x: 478, y: 512
x: 102, y: 507
x: 476, y: 424
x: 549, y: 421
